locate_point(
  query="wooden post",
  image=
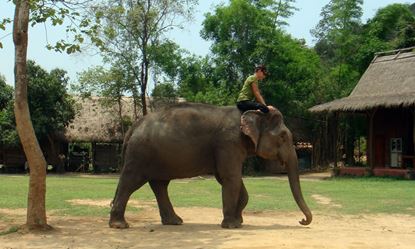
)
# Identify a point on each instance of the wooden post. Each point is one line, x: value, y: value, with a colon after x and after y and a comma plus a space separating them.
x: 92, y: 157
x: 370, y: 144
x: 335, y: 138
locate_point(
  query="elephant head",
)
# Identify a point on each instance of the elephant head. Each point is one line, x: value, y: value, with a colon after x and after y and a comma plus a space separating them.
x: 273, y: 140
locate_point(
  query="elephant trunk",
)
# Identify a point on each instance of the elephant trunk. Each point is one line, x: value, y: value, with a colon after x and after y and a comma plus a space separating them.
x: 293, y: 177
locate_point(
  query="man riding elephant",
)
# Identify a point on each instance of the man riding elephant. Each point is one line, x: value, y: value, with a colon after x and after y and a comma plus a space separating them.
x: 250, y: 97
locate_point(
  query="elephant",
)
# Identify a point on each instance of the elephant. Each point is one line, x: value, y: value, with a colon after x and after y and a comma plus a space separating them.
x: 188, y: 140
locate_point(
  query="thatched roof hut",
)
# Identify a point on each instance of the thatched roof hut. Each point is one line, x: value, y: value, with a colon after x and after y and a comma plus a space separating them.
x: 386, y: 95
x: 389, y: 81
x: 97, y: 121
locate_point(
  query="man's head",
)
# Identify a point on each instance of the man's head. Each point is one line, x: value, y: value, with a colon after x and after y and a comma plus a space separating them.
x: 260, y: 71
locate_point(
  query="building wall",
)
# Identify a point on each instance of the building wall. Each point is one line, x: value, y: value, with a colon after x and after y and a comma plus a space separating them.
x: 388, y: 124
x: 106, y: 157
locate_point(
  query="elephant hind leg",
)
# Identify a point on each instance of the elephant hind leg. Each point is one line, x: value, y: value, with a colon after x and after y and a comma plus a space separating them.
x: 167, y: 214
x: 127, y: 185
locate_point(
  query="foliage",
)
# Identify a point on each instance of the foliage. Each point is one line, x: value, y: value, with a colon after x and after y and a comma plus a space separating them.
x: 8, y: 133
x: 51, y: 107
x: 6, y: 93
x: 133, y: 33
x: 70, y: 13
x: 280, y: 10
x: 98, y: 81
x: 337, y: 34
x: 166, y: 60
x: 394, y: 24
x: 338, y: 29
x: 235, y: 31
x: 245, y: 33
x: 165, y: 92
x: 3, y: 23
x: 392, y: 27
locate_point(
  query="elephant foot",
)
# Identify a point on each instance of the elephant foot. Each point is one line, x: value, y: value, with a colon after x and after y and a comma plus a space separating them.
x: 240, y: 219
x: 173, y: 220
x: 230, y: 224
x: 119, y: 224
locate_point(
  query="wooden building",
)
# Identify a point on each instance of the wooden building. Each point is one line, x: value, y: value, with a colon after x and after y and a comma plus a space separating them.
x: 385, y: 95
x: 99, y: 124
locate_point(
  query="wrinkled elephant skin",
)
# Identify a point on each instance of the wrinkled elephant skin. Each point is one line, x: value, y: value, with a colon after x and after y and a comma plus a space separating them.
x: 189, y: 140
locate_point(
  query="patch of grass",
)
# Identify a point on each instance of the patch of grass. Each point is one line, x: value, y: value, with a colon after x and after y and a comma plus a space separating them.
x: 346, y: 195
x: 12, y: 229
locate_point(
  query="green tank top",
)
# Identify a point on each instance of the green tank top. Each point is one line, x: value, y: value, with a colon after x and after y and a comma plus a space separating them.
x: 246, y: 91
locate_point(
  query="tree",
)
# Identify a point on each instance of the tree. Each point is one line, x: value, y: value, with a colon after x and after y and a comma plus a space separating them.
x: 394, y: 24
x: 337, y: 34
x: 131, y: 31
x: 111, y: 84
x: 243, y: 34
x: 36, y: 211
x: 164, y: 93
x: 235, y: 31
x: 280, y: 10
x: 392, y: 27
x: 56, y: 11
x: 51, y: 107
x: 6, y: 93
x: 8, y: 133
x: 338, y: 30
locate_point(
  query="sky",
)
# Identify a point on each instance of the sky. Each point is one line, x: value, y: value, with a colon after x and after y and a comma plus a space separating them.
x: 300, y: 25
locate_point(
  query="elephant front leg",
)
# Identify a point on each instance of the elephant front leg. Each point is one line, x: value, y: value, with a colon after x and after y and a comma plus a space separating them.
x: 168, y: 216
x: 232, y: 212
x: 242, y: 202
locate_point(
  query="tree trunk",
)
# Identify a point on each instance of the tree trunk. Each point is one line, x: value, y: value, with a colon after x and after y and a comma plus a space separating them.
x: 145, y: 63
x: 119, y: 102
x: 135, y: 101
x: 36, y: 210
x: 144, y: 81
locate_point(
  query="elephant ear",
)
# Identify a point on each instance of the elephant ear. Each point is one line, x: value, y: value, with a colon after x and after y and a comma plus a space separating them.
x: 250, y: 123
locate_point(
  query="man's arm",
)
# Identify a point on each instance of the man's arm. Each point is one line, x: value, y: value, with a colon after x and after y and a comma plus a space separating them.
x: 257, y: 94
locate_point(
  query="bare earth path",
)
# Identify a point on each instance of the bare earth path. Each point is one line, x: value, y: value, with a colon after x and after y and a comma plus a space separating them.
x: 202, y: 230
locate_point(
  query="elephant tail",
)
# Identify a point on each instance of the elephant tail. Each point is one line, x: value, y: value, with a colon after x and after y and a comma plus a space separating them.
x: 127, y: 138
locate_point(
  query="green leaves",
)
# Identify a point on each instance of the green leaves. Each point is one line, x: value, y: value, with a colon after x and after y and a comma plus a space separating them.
x: 394, y: 24
x: 6, y: 93
x: 51, y: 107
x: 245, y: 33
x: 3, y: 23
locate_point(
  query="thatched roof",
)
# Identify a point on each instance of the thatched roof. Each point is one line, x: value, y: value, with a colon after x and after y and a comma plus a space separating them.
x: 389, y: 81
x: 96, y: 121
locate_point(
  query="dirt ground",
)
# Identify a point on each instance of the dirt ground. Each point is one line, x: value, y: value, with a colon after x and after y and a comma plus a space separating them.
x: 202, y: 230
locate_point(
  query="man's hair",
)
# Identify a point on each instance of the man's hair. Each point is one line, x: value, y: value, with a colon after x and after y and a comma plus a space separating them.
x: 261, y: 67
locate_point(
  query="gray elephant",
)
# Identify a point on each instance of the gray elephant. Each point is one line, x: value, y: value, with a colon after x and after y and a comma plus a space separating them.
x: 189, y: 140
